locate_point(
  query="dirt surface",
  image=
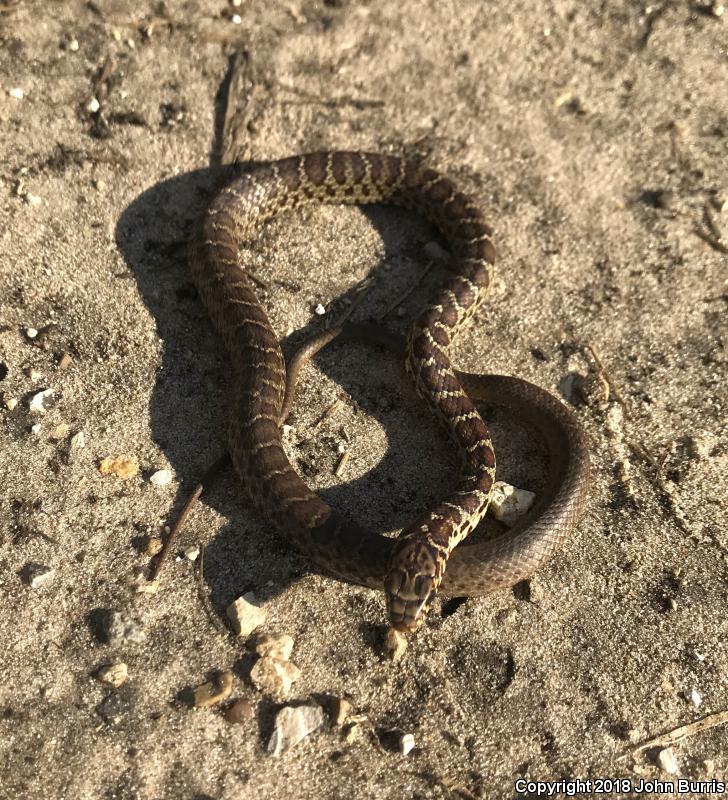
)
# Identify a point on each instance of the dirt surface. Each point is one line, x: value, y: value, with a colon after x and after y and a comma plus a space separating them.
x: 597, y: 140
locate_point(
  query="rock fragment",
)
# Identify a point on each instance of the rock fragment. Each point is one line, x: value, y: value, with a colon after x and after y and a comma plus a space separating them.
x: 667, y: 761
x: 275, y: 645
x: 162, y: 477
x: 40, y: 402
x: 120, y: 630
x: 114, y: 674
x: 509, y: 503
x: 123, y: 467
x: 273, y: 676
x: 38, y: 575
x: 395, y: 644
x: 294, y: 723
x: 342, y: 709
x: 214, y: 691
x: 245, y: 614
x: 406, y: 743
x: 239, y: 711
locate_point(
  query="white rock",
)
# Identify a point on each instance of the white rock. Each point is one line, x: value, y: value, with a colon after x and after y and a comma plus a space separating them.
x: 36, y: 429
x: 292, y: 725
x: 667, y: 761
x: 73, y: 45
x: 93, y: 105
x: 273, y: 676
x: 192, y: 553
x: 319, y: 310
x: 31, y: 333
x: 406, y: 743
x: 695, y: 698
x: 39, y: 401
x: 11, y: 403
x: 38, y: 575
x: 509, y: 503
x: 236, y: 19
x: 162, y: 477
x: 434, y: 252
x: 16, y: 92
x: 33, y: 199
x: 245, y: 614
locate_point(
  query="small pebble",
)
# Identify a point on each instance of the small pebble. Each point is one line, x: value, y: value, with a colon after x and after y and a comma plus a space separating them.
x: 353, y: 731
x: 114, y: 674
x: 144, y: 586
x: 78, y: 442
x: 238, y: 712
x: 192, y: 553
x: 694, y: 697
x: 395, y: 644
x: 152, y: 546
x: 319, y: 310
x: 16, y: 92
x: 162, y: 477
x: 275, y: 645
x: 236, y: 19
x: 11, y: 403
x: 273, y: 676
x: 667, y: 761
x: 292, y: 725
x: 41, y: 401
x: 508, y: 503
x: 342, y: 709
x: 59, y: 432
x: 113, y: 708
x: 406, y: 743
x: 709, y: 766
x: 33, y: 199
x: 215, y: 691
x: 35, y: 375
x: 73, y: 45
x: 123, y: 467
x: 31, y: 333
x: 93, y: 105
x: 100, y: 185
x: 36, y: 429
x: 245, y: 614
x: 435, y: 252
x: 120, y: 630
x: 38, y: 575
x: 64, y: 362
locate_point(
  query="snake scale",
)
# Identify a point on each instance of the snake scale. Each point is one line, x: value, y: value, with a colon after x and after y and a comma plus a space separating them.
x: 412, y: 567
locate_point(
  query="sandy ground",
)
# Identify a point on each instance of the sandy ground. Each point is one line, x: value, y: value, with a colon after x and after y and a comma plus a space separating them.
x: 598, y: 143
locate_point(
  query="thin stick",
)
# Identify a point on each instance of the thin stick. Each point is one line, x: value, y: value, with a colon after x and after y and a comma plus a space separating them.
x: 675, y: 735
x: 207, y: 479
x: 608, y: 378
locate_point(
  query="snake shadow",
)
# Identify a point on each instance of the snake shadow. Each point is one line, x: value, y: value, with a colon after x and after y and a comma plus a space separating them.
x: 188, y: 404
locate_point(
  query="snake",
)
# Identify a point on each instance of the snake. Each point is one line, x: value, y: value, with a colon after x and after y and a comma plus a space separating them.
x: 424, y: 558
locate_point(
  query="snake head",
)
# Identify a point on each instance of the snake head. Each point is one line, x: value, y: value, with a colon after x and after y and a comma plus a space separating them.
x: 411, y: 584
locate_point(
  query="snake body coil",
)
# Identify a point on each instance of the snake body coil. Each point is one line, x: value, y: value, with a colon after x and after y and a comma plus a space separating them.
x: 411, y: 567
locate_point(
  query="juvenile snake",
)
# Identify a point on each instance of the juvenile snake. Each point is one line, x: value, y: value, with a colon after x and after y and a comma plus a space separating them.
x: 411, y: 567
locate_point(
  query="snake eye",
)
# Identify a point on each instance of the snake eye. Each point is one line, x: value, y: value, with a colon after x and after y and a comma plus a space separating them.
x: 394, y: 581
